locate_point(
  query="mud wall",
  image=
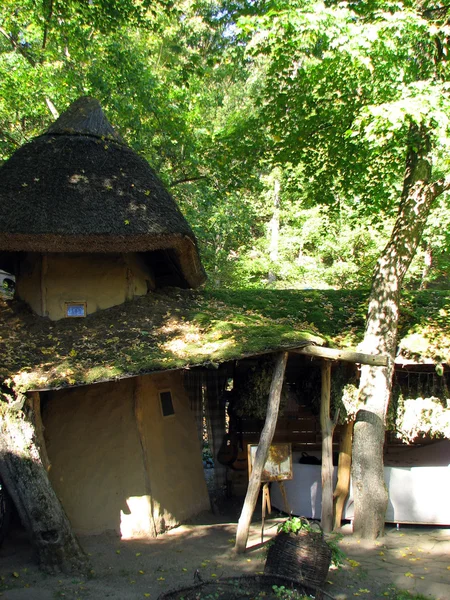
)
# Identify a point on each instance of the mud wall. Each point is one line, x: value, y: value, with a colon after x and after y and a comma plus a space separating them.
x: 118, y: 464
x: 47, y: 282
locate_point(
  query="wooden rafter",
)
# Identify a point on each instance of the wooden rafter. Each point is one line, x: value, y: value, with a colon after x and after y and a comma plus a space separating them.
x: 377, y: 360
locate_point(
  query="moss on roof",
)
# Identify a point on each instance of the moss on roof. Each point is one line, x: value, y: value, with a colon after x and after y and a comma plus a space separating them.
x: 159, y: 331
x: 340, y: 315
x: 182, y: 328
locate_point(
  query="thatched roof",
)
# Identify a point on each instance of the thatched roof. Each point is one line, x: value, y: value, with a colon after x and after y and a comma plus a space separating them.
x: 79, y: 188
x: 182, y: 329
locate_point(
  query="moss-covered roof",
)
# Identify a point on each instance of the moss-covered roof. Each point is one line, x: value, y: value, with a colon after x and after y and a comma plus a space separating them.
x: 182, y: 328
x: 156, y: 332
x: 340, y: 315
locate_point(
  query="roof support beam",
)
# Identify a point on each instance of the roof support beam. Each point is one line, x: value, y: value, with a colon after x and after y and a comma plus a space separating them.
x: 377, y: 360
x: 262, y: 452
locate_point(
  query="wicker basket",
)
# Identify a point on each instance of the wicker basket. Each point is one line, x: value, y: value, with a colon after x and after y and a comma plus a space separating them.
x: 304, y: 556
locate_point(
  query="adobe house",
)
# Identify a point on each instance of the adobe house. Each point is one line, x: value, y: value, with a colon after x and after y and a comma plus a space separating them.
x: 86, y: 225
x: 104, y: 323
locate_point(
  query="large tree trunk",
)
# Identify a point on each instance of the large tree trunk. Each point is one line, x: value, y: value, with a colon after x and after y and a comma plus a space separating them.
x: 369, y: 488
x: 262, y: 453
x: 26, y: 480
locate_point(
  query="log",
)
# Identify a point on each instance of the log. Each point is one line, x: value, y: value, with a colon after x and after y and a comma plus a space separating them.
x: 262, y: 453
x: 35, y: 405
x: 26, y: 480
x: 342, y: 488
x: 376, y: 360
x: 327, y: 427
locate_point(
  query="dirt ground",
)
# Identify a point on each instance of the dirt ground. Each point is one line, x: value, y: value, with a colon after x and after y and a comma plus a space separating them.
x: 126, y: 570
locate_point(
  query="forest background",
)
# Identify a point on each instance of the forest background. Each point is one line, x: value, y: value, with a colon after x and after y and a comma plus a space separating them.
x: 280, y: 127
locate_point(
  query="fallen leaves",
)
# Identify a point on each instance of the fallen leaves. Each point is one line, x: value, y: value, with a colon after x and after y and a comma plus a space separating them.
x: 353, y: 563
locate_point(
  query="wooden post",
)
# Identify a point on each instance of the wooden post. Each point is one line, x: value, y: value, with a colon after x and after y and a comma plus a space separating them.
x: 287, y: 509
x: 327, y: 427
x: 266, y: 505
x: 262, y: 453
x: 344, y: 469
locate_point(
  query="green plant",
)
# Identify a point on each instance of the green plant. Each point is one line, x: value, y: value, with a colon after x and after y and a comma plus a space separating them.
x: 296, y: 524
x: 283, y: 593
x: 338, y: 556
x: 395, y: 594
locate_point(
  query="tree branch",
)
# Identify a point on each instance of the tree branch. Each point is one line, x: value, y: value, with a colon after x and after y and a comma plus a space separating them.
x: 10, y: 139
x: 440, y: 186
x: 17, y: 47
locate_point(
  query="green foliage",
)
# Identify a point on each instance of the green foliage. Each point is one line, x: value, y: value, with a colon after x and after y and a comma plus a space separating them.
x: 283, y: 593
x: 294, y: 525
x: 412, y: 417
x: 338, y: 556
x: 340, y: 91
x: 253, y: 394
x: 395, y: 594
x: 320, y: 94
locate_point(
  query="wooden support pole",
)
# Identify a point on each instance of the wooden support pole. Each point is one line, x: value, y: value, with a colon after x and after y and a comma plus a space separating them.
x: 344, y: 469
x: 327, y: 427
x: 266, y: 507
x: 262, y: 453
x: 377, y: 360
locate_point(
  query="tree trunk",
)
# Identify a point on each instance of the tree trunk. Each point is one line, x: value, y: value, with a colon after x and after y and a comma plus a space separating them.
x: 274, y: 226
x: 343, y: 477
x: 427, y: 264
x: 26, y: 480
x: 327, y: 428
x: 262, y: 452
x: 369, y: 489
x: 275, y: 222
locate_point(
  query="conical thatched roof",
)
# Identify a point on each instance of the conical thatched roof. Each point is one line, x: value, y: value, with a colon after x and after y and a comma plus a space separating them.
x: 79, y: 188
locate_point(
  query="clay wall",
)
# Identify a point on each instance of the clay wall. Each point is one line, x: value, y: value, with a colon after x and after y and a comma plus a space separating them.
x: 117, y: 463
x: 46, y: 282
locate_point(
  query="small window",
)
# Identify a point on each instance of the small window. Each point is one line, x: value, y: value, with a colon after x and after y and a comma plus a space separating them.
x: 166, y: 403
x: 76, y: 309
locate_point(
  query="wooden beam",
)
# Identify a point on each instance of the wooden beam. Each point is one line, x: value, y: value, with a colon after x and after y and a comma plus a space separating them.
x: 344, y: 469
x: 377, y: 360
x: 262, y: 453
x: 327, y: 428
